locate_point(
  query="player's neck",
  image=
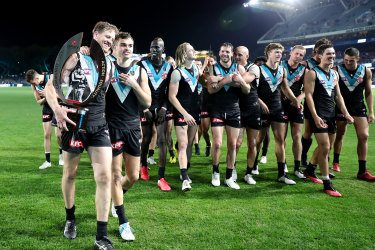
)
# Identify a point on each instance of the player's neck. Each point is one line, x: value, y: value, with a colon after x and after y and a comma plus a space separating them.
x: 351, y: 68
x: 157, y: 61
x: 325, y: 67
x: 292, y: 64
x: 189, y: 64
x: 226, y: 64
x: 124, y: 62
x: 272, y: 64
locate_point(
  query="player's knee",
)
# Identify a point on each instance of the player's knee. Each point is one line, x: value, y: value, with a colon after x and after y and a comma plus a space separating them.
x: 363, y: 136
x: 103, y: 177
x: 133, y: 177
x: 216, y: 145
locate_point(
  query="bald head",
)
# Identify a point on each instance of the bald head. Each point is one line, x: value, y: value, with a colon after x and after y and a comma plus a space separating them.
x: 241, y: 55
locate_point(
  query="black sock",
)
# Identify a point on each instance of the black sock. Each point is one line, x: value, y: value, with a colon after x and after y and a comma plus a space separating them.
x: 297, y: 165
x: 176, y: 145
x: 144, y: 162
x: 161, y: 172
x: 310, y: 169
x: 101, y: 229
x: 48, y: 156
x: 70, y: 213
x: 327, y: 185
x: 196, y: 145
x: 228, y: 173
x: 248, y: 170
x: 280, y: 169
x: 255, y: 166
x: 151, y: 153
x: 306, y: 143
x: 124, y: 191
x: 336, y: 158
x: 215, y: 168
x: 188, y: 165
x: 60, y: 149
x: 171, y: 153
x: 120, y: 211
x: 184, y: 174
x: 362, y: 166
x: 208, y: 144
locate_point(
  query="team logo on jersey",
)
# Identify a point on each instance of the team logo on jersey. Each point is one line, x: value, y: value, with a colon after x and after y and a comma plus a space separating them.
x: 351, y: 82
x: 273, y: 81
x: 297, y: 78
x: 143, y: 119
x: 46, y: 116
x: 181, y: 119
x: 219, y: 71
x: 156, y: 78
x: 328, y: 84
x: 75, y: 144
x: 170, y: 115
x: 117, y: 145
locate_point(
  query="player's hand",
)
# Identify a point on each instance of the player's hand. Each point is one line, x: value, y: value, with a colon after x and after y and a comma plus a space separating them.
x: 161, y: 115
x: 61, y: 114
x: 319, y: 123
x: 189, y: 120
x: 349, y: 119
x: 85, y: 50
x: 148, y: 115
x: 371, y: 118
x: 128, y: 80
x: 264, y: 108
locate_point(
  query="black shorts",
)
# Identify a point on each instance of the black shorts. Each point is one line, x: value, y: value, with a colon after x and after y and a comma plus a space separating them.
x: 127, y: 141
x: 222, y: 118
x: 179, y: 119
x: 205, y: 114
x: 169, y: 115
x: 330, y: 121
x: 76, y: 142
x: 292, y: 113
x: 47, y: 114
x: 273, y: 117
x: 253, y: 122
x: 360, y: 112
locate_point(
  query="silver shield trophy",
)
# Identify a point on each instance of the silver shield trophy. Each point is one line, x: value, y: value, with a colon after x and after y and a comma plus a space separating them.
x: 77, y: 89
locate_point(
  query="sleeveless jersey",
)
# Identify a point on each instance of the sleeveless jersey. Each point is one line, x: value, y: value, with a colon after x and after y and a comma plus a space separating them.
x: 249, y: 104
x: 226, y: 99
x: 294, y: 77
x: 352, y: 84
x: 325, y: 92
x: 84, y: 77
x: 311, y: 63
x: 270, y: 87
x: 122, y: 106
x: 188, y: 90
x: 158, y: 80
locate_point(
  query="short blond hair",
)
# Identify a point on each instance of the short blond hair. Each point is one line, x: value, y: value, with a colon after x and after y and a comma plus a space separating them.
x: 102, y: 26
x: 271, y: 47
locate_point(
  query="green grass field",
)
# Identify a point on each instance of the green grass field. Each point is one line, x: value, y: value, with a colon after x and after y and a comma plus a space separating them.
x: 268, y: 215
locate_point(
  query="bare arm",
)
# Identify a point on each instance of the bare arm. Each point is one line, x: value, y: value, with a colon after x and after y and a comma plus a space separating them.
x: 39, y: 97
x: 172, y: 96
x: 289, y: 93
x: 369, y: 97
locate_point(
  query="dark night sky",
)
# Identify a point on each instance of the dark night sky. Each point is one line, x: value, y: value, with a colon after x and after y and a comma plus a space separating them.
x: 202, y: 23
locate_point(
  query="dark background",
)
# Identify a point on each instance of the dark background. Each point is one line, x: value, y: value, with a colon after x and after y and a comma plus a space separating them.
x: 32, y: 33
